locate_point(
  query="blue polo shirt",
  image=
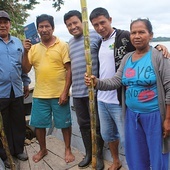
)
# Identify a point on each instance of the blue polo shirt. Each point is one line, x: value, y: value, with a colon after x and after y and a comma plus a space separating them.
x: 11, y: 75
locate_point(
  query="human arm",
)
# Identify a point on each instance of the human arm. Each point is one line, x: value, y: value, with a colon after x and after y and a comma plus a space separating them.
x: 162, y: 70
x: 166, y: 83
x: 64, y: 96
x: 112, y: 83
x: 26, y: 66
x: 26, y: 81
x: 104, y: 84
x: 26, y: 91
x: 166, y: 124
x: 108, y: 84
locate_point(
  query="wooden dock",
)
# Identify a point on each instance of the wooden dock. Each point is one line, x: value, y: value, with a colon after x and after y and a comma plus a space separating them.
x: 55, y: 145
x: 55, y: 158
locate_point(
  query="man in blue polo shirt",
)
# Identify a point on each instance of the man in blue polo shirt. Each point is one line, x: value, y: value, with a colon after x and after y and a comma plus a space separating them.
x: 12, y: 81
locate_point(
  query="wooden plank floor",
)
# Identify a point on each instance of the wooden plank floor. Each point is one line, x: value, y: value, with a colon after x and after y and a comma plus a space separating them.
x: 55, y: 158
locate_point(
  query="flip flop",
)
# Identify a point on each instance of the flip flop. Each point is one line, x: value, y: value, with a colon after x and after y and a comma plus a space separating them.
x: 118, y: 167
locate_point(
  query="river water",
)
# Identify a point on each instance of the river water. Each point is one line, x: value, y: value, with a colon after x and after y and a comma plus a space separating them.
x: 166, y: 43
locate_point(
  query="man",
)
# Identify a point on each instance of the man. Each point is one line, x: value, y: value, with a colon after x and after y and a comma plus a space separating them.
x: 115, y: 44
x: 51, y: 63
x: 11, y: 91
x: 73, y: 21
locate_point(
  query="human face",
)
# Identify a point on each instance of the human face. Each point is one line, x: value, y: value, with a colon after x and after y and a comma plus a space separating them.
x: 102, y: 25
x: 140, y: 36
x: 4, y: 28
x: 45, y: 30
x: 74, y: 26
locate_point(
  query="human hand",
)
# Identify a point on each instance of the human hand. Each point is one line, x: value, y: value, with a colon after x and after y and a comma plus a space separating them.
x: 26, y: 91
x: 27, y: 45
x: 92, y: 80
x: 166, y: 128
x: 164, y: 50
x: 63, y: 99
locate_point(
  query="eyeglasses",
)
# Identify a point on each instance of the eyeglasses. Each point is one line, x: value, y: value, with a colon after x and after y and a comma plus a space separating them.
x: 140, y: 19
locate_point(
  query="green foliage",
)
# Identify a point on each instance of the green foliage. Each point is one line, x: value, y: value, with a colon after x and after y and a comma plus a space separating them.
x: 18, y: 11
x: 57, y: 4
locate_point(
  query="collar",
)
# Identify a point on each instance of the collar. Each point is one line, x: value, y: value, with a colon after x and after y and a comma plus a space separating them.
x: 111, y: 35
x: 10, y: 39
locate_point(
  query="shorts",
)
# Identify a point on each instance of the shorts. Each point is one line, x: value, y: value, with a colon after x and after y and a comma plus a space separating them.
x: 44, y: 111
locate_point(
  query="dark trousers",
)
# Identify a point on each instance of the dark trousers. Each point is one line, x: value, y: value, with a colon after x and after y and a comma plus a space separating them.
x: 12, y: 110
x: 81, y: 106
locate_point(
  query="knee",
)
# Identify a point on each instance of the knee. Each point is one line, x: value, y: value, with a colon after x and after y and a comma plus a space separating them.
x: 105, y: 137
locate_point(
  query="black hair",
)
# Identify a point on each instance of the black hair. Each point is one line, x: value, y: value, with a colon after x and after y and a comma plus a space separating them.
x: 72, y: 13
x: 98, y: 12
x: 45, y: 17
x: 146, y: 22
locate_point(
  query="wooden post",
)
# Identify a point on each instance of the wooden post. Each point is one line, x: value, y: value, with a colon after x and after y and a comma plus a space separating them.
x: 91, y: 88
x: 5, y: 144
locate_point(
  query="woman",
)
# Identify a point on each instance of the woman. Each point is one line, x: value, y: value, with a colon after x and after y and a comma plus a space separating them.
x: 145, y: 75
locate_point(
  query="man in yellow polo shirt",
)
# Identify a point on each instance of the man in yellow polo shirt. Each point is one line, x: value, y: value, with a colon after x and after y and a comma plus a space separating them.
x: 51, y: 62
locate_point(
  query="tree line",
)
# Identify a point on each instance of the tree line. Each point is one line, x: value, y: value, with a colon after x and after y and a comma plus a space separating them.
x: 18, y: 11
x: 160, y: 39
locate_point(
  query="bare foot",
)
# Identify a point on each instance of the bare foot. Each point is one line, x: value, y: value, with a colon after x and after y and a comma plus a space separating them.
x: 69, y: 157
x: 115, y: 166
x: 37, y: 157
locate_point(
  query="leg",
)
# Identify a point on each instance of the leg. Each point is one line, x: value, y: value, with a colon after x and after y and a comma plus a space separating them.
x: 100, y: 142
x: 116, y: 113
x: 83, y: 117
x: 14, y: 125
x: 115, y: 154
x: 109, y: 114
x: 4, y: 108
x: 41, y: 119
x: 69, y: 157
x: 87, y: 141
x: 169, y: 161
x: 136, y: 148
x: 81, y: 106
x: 40, y: 135
x: 18, y: 125
x: 153, y: 129
x: 62, y: 120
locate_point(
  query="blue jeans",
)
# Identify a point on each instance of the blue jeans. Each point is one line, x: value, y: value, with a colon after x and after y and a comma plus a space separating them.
x: 111, y: 122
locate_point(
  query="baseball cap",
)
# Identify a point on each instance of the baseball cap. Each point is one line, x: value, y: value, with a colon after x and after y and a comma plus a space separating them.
x: 4, y: 14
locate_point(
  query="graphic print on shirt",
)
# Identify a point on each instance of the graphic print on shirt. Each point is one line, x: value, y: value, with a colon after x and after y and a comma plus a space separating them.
x: 144, y: 95
x: 140, y: 81
x: 121, y: 51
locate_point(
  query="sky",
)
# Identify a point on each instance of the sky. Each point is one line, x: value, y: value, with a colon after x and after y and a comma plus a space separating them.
x: 121, y: 11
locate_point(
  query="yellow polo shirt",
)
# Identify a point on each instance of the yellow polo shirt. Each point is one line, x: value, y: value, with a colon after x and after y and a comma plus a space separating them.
x: 49, y: 68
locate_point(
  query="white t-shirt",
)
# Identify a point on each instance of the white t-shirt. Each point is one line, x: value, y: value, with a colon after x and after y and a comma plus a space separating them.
x: 107, y: 69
